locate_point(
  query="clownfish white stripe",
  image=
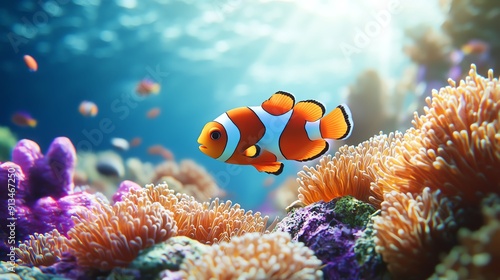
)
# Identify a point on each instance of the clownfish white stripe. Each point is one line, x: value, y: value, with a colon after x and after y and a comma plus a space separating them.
x: 313, y: 130
x: 233, y: 136
x: 274, y: 128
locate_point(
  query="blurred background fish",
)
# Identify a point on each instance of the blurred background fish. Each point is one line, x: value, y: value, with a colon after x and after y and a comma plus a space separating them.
x: 88, y: 109
x: 31, y: 63
x: 153, y: 113
x: 136, y: 141
x: 23, y: 119
x: 120, y: 144
x: 147, y: 86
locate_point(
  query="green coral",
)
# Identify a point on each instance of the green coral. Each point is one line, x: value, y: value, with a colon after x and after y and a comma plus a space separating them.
x: 24, y: 273
x: 354, y: 212
x: 167, y: 255
x: 368, y: 259
x: 7, y: 143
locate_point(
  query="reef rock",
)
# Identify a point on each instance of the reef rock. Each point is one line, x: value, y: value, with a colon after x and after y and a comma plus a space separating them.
x: 331, y: 229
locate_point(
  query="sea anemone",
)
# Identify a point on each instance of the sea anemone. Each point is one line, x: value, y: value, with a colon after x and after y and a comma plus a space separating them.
x: 350, y: 172
x: 42, y: 249
x: 255, y: 256
x: 207, y: 222
x: 215, y: 222
x: 478, y: 254
x: 454, y: 145
x: 413, y: 230
x: 109, y: 236
x: 194, y: 179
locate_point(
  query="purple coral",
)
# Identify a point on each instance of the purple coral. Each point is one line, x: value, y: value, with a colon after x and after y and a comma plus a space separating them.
x: 123, y: 189
x: 331, y: 231
x: 49, y: 175
x: 42, y: 194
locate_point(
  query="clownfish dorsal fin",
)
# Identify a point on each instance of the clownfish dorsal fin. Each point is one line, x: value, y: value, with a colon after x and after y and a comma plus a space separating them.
x: 252, y: 151
x: 310, y: 110
x: 279, y: 103
x: 274, y: 168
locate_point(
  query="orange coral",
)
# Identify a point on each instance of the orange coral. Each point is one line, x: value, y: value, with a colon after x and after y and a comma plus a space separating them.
x: 350, y: 172
x: 454, y: 145
x: 194, y: 179
x: 42, y: 249
x: 206, y: 222
x: 412, y: 231
x: 216, y: 222
x: 109, y: 236
x: 255, y: 256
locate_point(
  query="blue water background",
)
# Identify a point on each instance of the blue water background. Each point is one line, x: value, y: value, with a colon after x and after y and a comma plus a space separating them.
x: 208, y: 56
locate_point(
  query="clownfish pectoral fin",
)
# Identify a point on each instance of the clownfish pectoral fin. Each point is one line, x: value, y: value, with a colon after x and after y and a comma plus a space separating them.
x: 312, y: 150
x: 309, y: 110
x: 252, y: 151
x: 274, y: 168
x: 279, y: 103
x: 337, y: 124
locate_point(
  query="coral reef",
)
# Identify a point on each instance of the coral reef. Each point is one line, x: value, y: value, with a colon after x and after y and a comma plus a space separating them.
x: 42, y: 249
x: 108, y: 236
x: 49, y: 175
x: 286, y: 193
x: 255, y: 256
x: 7, y: 143
x: 431, y: 51
x: 214, y: 222
x: 101, y: 171
x: 168, y: 255
x: 42, y: 191
x: 454, y: 145
x: 194, y: 179
x: 350, y: 172
x: 468, y: 20
x: 478, y: 254
x: 367, y: 97
x: 371, y: 265
x: 331, y: 230
x: 413, y: 231
x: 124, y: 189
x: 24, y: 273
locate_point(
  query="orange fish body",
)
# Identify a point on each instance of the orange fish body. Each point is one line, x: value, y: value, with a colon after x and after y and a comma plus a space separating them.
x: 278, y: 129
x: 24, y: 119
x: 31, y: 63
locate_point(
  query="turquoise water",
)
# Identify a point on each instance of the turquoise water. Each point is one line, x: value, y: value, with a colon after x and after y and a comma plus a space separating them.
x: 208, y: 56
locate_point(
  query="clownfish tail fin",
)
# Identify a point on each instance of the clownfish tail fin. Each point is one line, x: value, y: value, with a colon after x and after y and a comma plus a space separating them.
x: 337, y: 124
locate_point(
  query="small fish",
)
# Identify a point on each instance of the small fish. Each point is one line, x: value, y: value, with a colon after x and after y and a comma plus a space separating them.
x: 278, y: 129
x: 147, y: 87
x: 23, y: 119
x: 153, y: 113
x: 31, y: 63
x: 88, y: 109
x: 136, y: 141
x: 475, y: 46
x: 161, y: 151
x: 120, y: 144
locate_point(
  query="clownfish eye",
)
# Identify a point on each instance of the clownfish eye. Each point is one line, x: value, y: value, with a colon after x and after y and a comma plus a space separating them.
x: 215, y: 135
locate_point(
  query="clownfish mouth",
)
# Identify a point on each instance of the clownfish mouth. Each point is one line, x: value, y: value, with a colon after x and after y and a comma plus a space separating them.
x: 203, y: 147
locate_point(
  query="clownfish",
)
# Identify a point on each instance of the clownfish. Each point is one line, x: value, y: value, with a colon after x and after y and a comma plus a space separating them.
x: 278, y: 129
